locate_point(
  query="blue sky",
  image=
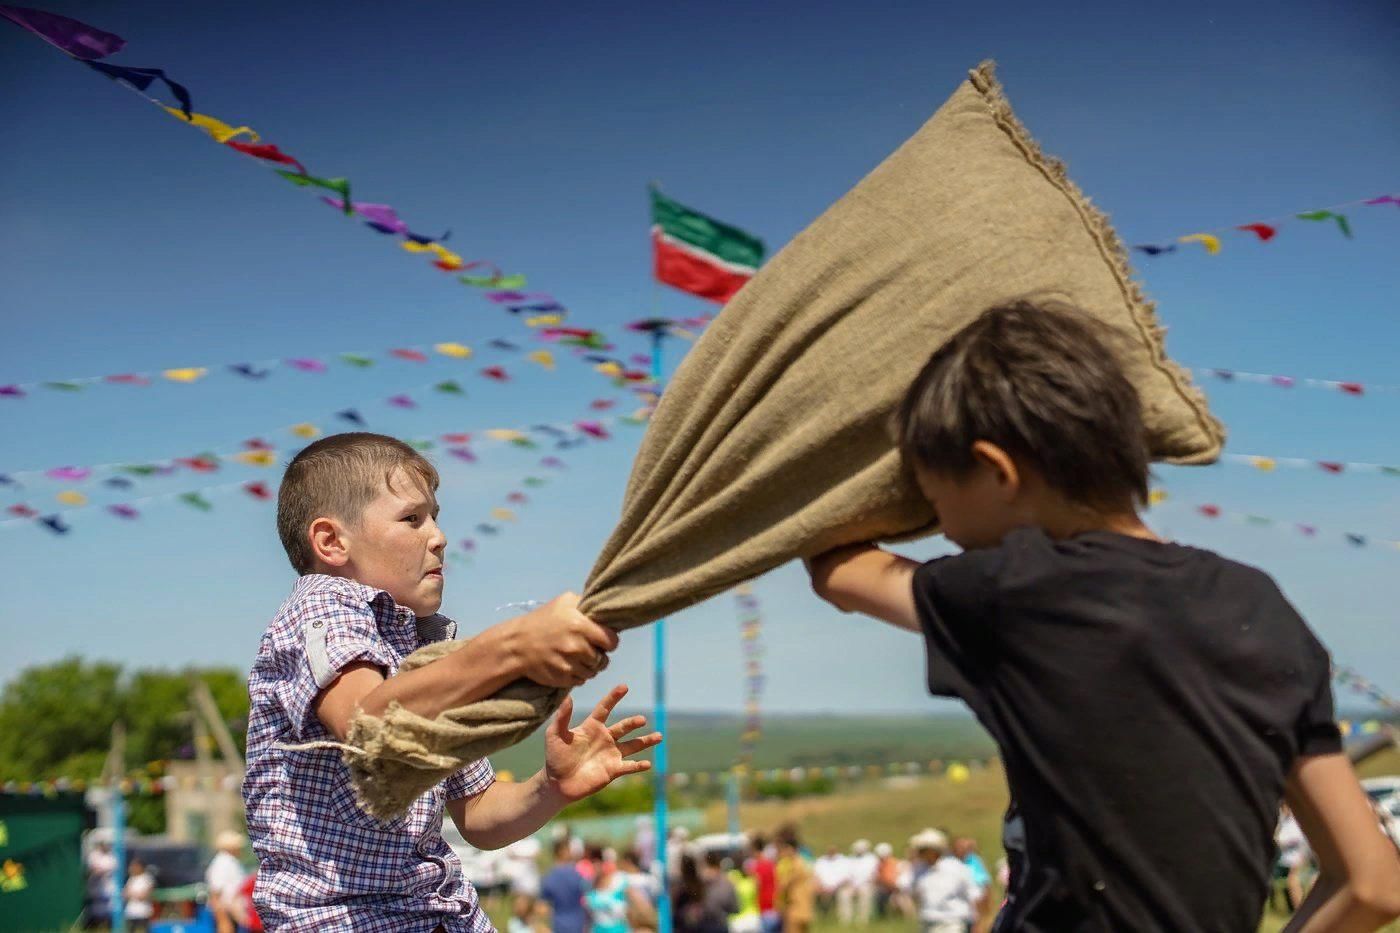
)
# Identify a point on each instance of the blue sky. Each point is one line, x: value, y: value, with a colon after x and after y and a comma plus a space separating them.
x: 134, y: 243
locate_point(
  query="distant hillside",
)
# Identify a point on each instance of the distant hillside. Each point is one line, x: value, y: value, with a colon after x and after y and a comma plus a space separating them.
x: 710, y: 741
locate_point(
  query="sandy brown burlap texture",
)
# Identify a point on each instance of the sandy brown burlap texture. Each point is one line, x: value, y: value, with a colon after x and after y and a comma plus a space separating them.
x: 773, y: 440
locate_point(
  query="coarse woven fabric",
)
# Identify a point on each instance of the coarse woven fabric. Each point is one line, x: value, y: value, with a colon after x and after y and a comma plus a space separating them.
x: 773, y: 441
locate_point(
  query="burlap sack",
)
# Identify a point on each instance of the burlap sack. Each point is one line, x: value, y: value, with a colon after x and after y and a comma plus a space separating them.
x: 773, y: 440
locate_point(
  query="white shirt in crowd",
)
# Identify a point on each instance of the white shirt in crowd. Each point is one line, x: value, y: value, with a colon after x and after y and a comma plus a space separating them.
x: 832, y: 871
x: 863, y: 868
x: 521, y: 868
x: 138, y: 896
x: 223, y: 876
x: 1292, y: 844
x: 947, y: 892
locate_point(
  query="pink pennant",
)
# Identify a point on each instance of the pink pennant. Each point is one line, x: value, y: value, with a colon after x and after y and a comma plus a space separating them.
x: 21, y: 510
x: 1331, y: 466
x: 1283, y: 382
x: 517, y: 298
x: 129, y: 379
x: 1308, y: 530
x: 402, y: 401
x: 121, y: 510
x: 11, y: 391
x: 307, y: 365
x: 640, y: 359
x: 456, y: 438
x: 413, y: 356
x: 462, y: 453
x: 517, y: 498
x: 70, y: 474
x: 593, y: 429
x: 1209, y: 511
x: 258, y: 490
x: 553, y: 463
x: 602, y: 404
x: 257, y: 443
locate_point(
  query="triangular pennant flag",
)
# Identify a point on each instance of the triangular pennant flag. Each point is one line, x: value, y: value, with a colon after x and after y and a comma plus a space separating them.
x: 1150, y: 249
x: 121, y: 510
x: 118, y: 482
x: 402, y: 401
x: 218, y: 129
x: 420, y: 444
x: 64, y: 385
x: 305, y: 430
x: 486, y: 281
x: 188, y: 374
x: 20, y: 510
x: 450, y: 387
x: 11, y: 391
x: 143, y: 78
x: 497, y: 373
x: 1341, y: 220
x: 196, y: 500
x: 462, y: 453
x: 257, y: 490
x: 503, y: 515
x: 454, y: 350
x: 307, y: 365
x: 249, y: 371
x: 1385, y: 199
x: 71, y: 497
x: 506, y: 345
x: 339, y: 185
x: 128, y: 379
x: 356, y: 359
x: 1264, y: 232
x: 55, y: 524
x: 76, y: 38
x: 256, y: 458
x: 544, y: 358
x: 350, y: 415
x: 413, y: 356
x: 267, y: 152
x: 1211, y: 243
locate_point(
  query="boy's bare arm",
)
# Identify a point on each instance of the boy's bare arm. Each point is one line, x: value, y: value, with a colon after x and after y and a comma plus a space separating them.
x: 1358, y: 885
x: 862, y: 578
x: 554, y: 645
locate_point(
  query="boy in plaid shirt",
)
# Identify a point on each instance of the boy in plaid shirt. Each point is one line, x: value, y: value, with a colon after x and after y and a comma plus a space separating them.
x: 357, y: 514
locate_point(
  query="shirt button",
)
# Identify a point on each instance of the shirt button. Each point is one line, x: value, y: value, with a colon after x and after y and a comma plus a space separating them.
x: 316, y: 624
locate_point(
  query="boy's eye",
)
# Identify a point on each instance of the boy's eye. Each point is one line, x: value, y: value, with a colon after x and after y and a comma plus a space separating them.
x: 411, y: 518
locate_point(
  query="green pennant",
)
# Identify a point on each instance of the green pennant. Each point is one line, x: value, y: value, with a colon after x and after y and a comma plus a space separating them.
x: 340, y: 186
x: 64, y: 386
x: 1390, y: 470
x: 140, y: 469
x: 1341, y: 220
x: 355, y: 359
x: 1258, y: 520
x: 196, y: 500
x: 450, y: 387
x: 524, y: 442
x: 534, y: 482
x: 506, y: 282
x: 420, y: 445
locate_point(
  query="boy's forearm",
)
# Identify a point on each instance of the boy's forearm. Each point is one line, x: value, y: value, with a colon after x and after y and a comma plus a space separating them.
x: 507, y: 812
x: 1333, y: 907
x: 473, y: 672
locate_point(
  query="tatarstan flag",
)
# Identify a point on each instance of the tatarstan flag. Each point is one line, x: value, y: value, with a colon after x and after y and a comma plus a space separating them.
x: 699, y: 254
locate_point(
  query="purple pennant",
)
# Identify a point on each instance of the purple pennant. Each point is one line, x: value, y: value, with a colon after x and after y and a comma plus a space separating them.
x: 402, y: 401
x: 516, y: 298
x: 1385, y: 199
x: 307, y: 365
x: 55, y: 524
x: 1224, y: 375
x: 70, y: 474
x: 122, y: 510
x: 641, y: 359
x: 1283, y: 382
x: 462, y: 453
x: 11, y: 391
x: 1307, y: 530
x: 381, y: 217
x: 467, y: 544
x: 77, y: 39
x: 553, y: 463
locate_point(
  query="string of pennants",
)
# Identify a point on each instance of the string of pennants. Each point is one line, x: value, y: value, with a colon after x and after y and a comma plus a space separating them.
x: 750, y: 635
x: 561, y: 436
x: 262, y: 369
x: 1345, y: 387
x: 1212, y: 241
x: 1265, y: 464
x: 1210, y: 510
x: 87, y: 44
x: 259, y: 452
x: 1351, y: 678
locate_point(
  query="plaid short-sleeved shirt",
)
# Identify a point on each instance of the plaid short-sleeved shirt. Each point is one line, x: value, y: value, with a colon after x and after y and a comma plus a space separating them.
x: 323, y: 863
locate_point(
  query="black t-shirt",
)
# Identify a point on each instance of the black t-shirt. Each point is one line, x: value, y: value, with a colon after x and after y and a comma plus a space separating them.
x: 1148, y: 700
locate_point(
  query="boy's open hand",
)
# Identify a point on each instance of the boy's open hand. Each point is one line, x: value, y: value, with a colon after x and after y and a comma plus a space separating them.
x: 559, y: 646
x: 582, y: 761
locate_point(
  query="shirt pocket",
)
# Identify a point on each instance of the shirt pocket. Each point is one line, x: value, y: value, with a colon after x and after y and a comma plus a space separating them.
x: 347, y: 812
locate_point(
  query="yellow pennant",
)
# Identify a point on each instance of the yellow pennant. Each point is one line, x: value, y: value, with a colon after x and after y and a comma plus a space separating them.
x: 1266, y: 464
x: 189, y: 374
x: 544, y: 358
x: 453, y: 349
x: 544, y: 320
x: 414, y: 246
x: 1157, y: 497
x: 505, y: 434
x: 503, y: 515
x: 1211, y: 243
x: 256, y: 457
x: 215, y: 127
x: 306, y: 430
x: 72, y: 497
x: 609, y: 369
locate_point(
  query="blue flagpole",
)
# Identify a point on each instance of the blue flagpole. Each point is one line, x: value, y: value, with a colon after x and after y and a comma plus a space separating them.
x: 660, y: 809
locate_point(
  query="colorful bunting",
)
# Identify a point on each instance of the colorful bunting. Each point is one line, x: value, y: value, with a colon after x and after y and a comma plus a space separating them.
x: 219, y: 130
x: 750, y: 631
x: 268, y: 152
x: 1265, y: 231
x: 143, y: 78
x: 341, y: 185
x: 1214, y: 512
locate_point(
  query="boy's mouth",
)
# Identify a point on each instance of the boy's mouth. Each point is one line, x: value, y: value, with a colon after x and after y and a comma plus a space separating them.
x: 435, y: 572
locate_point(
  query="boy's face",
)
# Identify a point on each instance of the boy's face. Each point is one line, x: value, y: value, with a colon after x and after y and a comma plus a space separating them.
x: 979, y: 509
x: 397, y: 545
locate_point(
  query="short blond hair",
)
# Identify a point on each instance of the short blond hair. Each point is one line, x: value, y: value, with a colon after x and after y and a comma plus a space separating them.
x: 338, y: 477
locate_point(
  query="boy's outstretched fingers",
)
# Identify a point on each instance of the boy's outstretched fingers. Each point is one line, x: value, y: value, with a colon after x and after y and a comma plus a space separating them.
x: 561, y: 718
x: 607, y: 704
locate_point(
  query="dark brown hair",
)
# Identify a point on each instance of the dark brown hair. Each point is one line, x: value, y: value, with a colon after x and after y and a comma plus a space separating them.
x: 338, y: 477
x: 1042, y: 383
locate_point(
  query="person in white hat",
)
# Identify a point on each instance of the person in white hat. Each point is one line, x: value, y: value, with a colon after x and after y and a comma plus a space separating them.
x: 224, y: 876
x: 862, y: 868
x: 946, y: 892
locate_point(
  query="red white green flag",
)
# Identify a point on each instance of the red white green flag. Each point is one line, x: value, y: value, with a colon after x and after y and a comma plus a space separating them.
x: 698, y: 254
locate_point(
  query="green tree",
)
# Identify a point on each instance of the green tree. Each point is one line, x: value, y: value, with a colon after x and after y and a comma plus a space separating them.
x: 50, y: 714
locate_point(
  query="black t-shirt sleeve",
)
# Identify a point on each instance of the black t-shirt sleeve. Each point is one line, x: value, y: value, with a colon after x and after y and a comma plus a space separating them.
x: 1317, y: 731
x: 957, y: 602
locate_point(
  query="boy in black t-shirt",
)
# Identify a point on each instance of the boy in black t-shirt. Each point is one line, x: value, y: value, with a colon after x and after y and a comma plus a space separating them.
x: 1152, y: 702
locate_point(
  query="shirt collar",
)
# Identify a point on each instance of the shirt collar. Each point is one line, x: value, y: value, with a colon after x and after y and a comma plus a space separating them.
x: 430, y: 628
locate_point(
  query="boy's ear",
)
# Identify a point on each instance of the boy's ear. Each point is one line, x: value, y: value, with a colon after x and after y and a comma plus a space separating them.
x: 328, y: 542
x: 1003, y: 468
